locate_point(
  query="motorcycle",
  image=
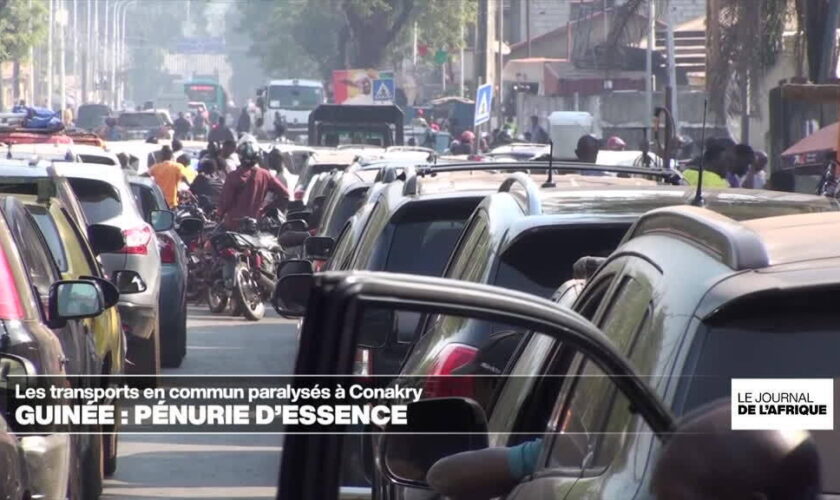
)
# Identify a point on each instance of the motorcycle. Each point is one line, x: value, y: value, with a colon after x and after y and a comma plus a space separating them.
x: 245, y: 272
x: 199, y: 252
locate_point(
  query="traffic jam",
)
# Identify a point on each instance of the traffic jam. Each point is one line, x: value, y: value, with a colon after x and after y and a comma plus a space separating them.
x: 509, y: 265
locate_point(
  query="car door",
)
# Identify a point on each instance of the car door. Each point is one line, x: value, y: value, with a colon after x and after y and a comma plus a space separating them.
x: 340, y: 308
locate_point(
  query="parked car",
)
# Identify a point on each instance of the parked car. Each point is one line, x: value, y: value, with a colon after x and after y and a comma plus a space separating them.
x: 321, y: 161
x: 92, y: 116
x: 173, y: 279
x: 144, y: 124
x: 43, y: 318
x: 106, y: 198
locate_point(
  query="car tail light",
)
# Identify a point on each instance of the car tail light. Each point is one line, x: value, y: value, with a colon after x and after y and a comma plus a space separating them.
x: 167, y: 249
x: 441, y: 382
x: 137, y: 240
x: 10, y: 305
x: 363, y: 364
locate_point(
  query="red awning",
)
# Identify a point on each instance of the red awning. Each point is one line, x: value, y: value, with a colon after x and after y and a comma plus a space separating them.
x: 824, y: 139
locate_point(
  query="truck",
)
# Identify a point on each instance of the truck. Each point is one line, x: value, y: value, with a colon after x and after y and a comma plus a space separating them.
x: 565, y: 128
x: 335, y: 125
x: 292, y: 101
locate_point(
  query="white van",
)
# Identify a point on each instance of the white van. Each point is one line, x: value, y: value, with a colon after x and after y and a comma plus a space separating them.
x: 565, y: 128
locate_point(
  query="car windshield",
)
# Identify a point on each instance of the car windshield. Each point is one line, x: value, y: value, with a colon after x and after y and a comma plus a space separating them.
x: 294, y: 97
x: 139, y: 120
x: 100, y: 200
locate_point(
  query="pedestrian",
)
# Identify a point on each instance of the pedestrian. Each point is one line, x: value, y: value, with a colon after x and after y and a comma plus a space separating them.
x: 168, y: 174
x: 510, y: 126
x: 182, y: 127
x: 111, y: 132
x: 757, y: 176
x: 714, y: 170
x: 245, y: 189
x: 67, y: 116
x: 199, y: 126
x: 214, y: 114
x: 229, y: 160
x: 538, y: 135
x: 738, y: 159
x: 587, y: 149
x: 208, y: 182
x: 243, y: 125
x: 221, y: 132
x: 279, y: 126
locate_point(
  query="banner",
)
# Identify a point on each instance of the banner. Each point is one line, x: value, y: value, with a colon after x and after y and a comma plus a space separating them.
x: 356, y: 86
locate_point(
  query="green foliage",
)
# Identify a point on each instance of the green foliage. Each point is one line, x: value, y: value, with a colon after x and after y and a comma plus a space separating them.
x: 15, y: 34
x: 306, y: 37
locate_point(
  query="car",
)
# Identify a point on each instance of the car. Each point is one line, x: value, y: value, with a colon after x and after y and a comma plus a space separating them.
x: 517, y: 151
x: 92, y: 116
x: 144, y: 124
x: 14, y: 483
x: 323, y: 160
x: 75, y: 259
x: 36, y: 152
x: 45, y: 330
x: 94, y: 154
x: 532, y: 244
x: 173, y: 279
x: 106, y: 198
x: 343, y: 195
x: 340, y: 306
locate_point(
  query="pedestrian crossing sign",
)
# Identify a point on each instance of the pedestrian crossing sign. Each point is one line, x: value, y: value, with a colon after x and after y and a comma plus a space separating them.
x: 383, y: 90
x: 483, y: 104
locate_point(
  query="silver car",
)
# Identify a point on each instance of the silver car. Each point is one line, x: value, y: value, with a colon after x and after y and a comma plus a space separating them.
x: 106, y: 197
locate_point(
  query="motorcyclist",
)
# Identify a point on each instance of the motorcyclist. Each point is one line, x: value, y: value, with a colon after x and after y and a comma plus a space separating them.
x: 245, y: 189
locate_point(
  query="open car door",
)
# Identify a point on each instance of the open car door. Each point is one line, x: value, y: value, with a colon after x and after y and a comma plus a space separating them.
x: 339, y: 303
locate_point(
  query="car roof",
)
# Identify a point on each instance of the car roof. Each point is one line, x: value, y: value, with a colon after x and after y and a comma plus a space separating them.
x: 20, y: 168
x: 333, y: 157
x: 783, y: 236
x: 93, y: 171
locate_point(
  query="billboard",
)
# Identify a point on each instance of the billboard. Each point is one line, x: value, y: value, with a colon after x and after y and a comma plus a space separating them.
x: 356, y: 86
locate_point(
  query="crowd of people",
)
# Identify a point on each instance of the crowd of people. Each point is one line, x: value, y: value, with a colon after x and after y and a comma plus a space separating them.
x: 233, y: 180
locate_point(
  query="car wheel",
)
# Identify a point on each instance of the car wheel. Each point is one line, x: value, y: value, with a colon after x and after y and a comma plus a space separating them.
x: 146, y: 357
x: 109, y: 451
x: 217, y: 297
x: 247, y: 295
x: 174, y: 348
x: 92, y: 466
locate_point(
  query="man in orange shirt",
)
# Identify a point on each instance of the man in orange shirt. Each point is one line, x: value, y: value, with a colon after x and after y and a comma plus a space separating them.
x: 168, y: 174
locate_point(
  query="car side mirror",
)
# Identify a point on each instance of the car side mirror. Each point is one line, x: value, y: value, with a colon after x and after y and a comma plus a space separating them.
x: 128, y: 282
x: 293, y: 225
x: 110, y: 293
x: 585, y: 267
x: 436, y: 428
x: 15, y: 371
x: 318, y: 247
x: 74, y: 299
x: 291, y: 295
x: 162, y: 220
x: 294, y: 266
x: 190, y: 227
x: 295, y: 206
x: 104, y: 238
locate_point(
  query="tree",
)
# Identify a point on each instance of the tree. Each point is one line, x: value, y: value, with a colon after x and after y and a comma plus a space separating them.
x: 22, y: 25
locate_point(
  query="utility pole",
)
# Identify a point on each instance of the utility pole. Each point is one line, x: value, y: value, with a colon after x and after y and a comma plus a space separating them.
x: 649, y: 67
x: 528, y: 25
x: 31, y: 97
x: 51, y: 22
x: 500, y: 79
x: 61, y: 20
x: 672, y: 68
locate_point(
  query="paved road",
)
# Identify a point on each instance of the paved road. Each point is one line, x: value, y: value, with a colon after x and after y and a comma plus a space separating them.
x: 211, y: 467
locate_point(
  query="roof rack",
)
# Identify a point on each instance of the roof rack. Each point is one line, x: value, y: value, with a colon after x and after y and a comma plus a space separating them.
x: 666, y: 175
x: 410, y: 186
x: 532, y: 197
x: 388, y: 173
x: 733, y: 244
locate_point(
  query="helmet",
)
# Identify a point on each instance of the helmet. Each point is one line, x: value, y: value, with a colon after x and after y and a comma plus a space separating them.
x: 248, y: 153
x: 467, y: 136
x: 615, y: 143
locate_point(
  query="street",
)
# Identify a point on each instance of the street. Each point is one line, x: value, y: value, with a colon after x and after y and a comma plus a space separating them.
x: 211, y: 466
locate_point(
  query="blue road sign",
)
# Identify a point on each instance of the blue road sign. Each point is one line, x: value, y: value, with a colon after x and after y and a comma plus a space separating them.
x: 483, y: 104
x: 383, y: 91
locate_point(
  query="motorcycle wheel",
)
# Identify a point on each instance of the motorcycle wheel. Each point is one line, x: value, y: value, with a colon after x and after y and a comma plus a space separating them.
x: 217, y: 297
x: 247, y: 294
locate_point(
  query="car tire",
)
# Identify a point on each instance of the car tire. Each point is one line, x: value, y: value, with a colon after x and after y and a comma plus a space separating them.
x: 172, y: 353
x: 147, y: 359
x: 109, y: 450
x: 92, y: 466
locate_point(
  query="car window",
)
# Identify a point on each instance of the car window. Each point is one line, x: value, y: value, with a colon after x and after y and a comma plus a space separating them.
x: 432, y: 239
x: 100, y: 200
x: 82, y: 242
x: 344, y: 209
x: 39, y: 264
x: 343, y: 248
x: 467, y: 246
x: 538, y: 261
x: 376, y: 223
x: 145, y: 199
x: 49, y: 230
x: 594, y: 402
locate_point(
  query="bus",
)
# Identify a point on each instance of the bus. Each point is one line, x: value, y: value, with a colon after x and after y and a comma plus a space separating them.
x: 292, y: 100
x: 208, y: 91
